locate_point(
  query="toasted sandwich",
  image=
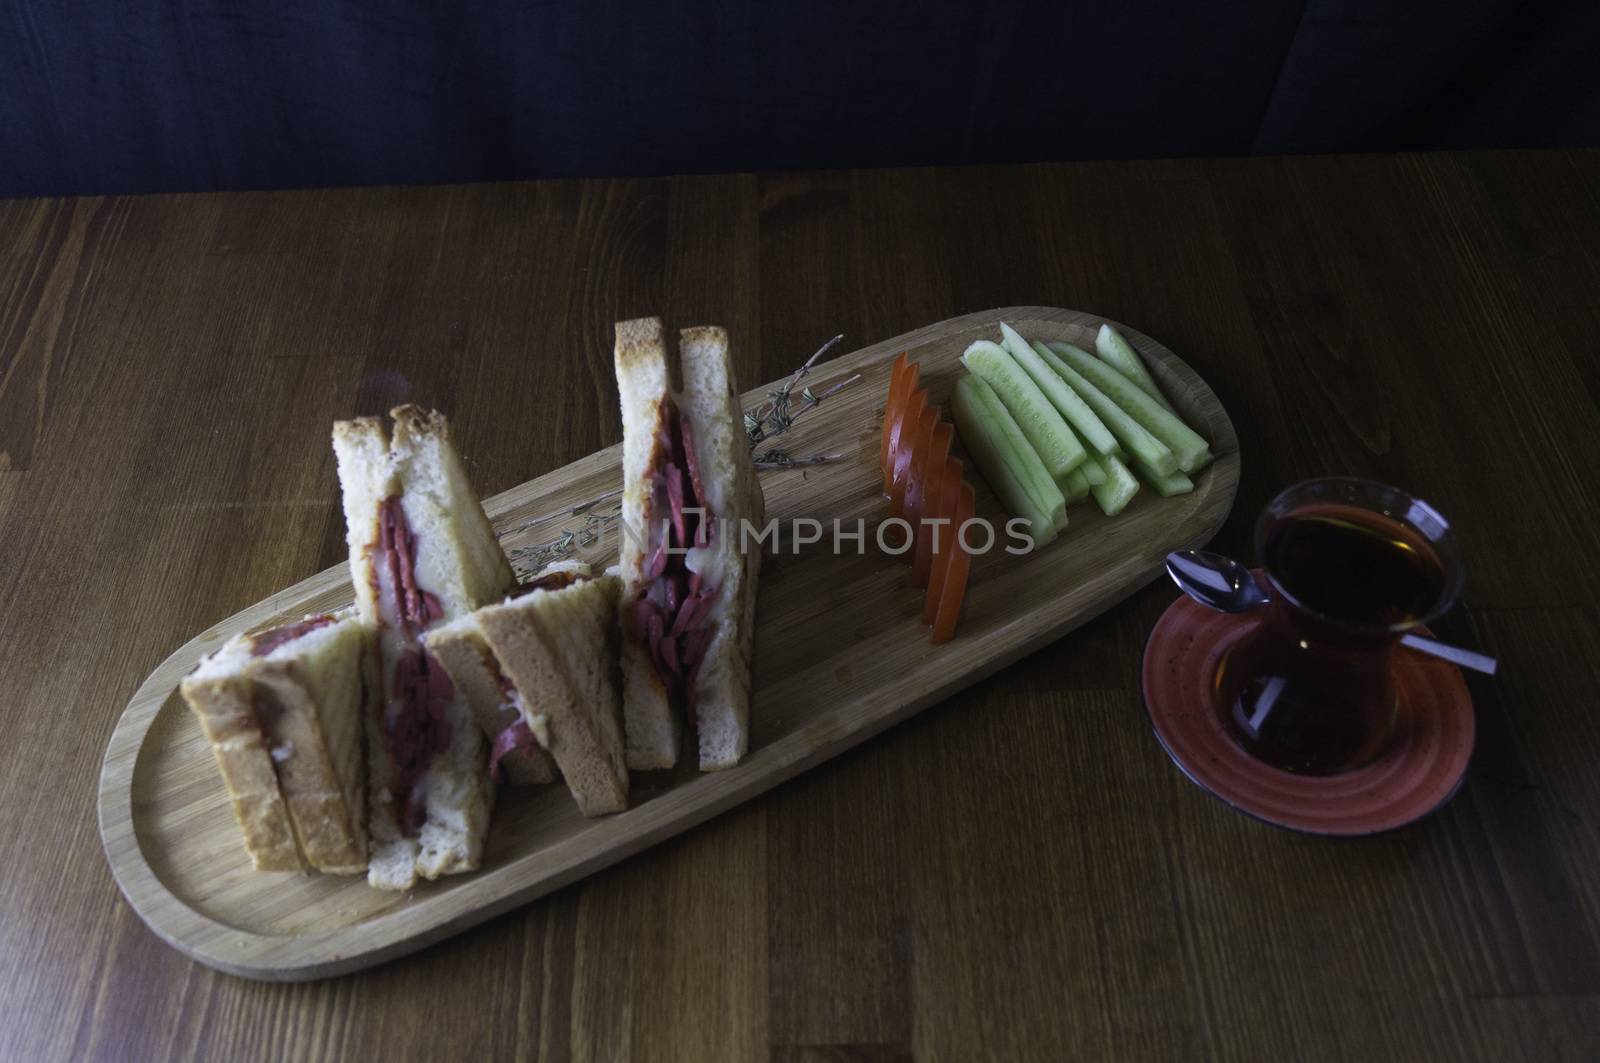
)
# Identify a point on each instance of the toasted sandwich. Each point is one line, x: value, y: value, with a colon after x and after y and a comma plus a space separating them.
x: 515, y: 753
x: 422, y: 553
x: 283, y: 710
x: 553, y: 645
x: 689, y: 573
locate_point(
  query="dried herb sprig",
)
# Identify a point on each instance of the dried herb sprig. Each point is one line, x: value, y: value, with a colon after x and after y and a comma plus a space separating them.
x: 534, y: 558
x: 778, y: 459
x: 774, y: 416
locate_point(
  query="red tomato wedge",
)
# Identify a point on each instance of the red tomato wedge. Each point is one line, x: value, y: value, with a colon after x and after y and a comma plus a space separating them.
x: 926, y: 499
x: 895, y: 373
x: 924, y: 484
x: 924, y: 456
x: 900, y: 449
x: 905, y: 466
x: 953, y: 589
x: 949, y: 499
x: 902, y: 416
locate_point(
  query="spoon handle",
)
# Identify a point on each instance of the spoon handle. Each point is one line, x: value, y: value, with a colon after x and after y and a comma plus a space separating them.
x: 1478, y: 662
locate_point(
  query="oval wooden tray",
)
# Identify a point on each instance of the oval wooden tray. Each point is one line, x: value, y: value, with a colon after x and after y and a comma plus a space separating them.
x: 840, y: 656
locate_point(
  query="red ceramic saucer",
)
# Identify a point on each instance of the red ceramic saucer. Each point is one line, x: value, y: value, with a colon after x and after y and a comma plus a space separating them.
x: 1422, y: 769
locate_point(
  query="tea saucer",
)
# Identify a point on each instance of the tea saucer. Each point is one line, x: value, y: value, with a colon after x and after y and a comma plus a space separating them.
x: 1421, y: 771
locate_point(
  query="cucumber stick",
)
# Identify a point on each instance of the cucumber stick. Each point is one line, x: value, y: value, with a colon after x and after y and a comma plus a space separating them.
x: 1191, y: 451
x: 1094, y: 472
x: 1164, y: 486
x: 1114, y: 495
x: 1119, y: 354
x: 1130, y: 433
x: 1041, y: 425
x: 1025, y: 464
x: 1073, y: 485
x: 1091, y: 432
x: 1006, y: 460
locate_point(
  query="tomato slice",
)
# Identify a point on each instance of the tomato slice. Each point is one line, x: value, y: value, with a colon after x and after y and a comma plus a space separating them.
x: 895, y: 373
x: 953, y: 589
x: 902, y: 414
x: 922, y: 458
x: 928, y: 484
x: 905, y: 466
x: 900, y: 449
x: 949, y: 498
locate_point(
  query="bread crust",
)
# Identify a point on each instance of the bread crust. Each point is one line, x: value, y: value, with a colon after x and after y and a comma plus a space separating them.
x: 710, y: 404
x: 225, y: 707
x: 652, y: 726
x: 326, y: 810
x: 467, y: 657
x: 557, y: 647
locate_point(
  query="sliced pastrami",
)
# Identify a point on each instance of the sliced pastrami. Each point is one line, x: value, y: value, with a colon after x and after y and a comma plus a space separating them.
x: 672, y: 615
x: 265, y: 642
x: 417, y: 727
x: 516, y: 738
x: 707, y: 527
x: 417, y: 609
x: 674, y: 478
x: 416, y: 723
x: 694, y: 647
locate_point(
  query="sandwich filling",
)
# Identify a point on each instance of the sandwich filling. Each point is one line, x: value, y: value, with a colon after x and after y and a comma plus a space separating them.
x: 672, y: 615
x: 265, y: 711
x: 519, y: 736
x: 551, y: 581
x: 264, y: 642
x: 418, y: 694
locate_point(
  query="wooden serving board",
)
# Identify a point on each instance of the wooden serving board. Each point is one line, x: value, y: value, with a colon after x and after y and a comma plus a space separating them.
x: 840, y: 656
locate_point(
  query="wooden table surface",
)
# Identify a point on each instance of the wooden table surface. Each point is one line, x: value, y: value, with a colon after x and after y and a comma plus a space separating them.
x: 1018, y: 873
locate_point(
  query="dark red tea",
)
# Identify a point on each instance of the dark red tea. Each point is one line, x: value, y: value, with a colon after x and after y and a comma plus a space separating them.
x: 1310, y: 691
x: 1354, y: 565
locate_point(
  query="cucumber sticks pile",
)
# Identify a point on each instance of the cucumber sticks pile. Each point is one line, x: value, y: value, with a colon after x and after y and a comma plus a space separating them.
x: 1049, y: 424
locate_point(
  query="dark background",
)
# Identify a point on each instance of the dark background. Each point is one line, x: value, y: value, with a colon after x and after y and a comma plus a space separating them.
x: 99, y: 96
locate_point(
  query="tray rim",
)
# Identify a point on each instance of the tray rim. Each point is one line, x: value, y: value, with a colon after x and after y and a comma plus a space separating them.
x: 261, y: 956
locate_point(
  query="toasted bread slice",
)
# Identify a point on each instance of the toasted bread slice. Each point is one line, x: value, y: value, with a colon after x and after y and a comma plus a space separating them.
x: 223, y: 700
x: 459, y: 646
x: 559, y: 648
x: 644, y: 384
x: 283, y: 710
x: 416, y: 482
x: 709, y: 403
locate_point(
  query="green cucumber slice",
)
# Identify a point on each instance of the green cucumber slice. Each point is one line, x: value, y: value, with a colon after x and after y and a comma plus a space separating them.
x: 1164, y: 486
x: 1191, y: 451
x: 1073, y: 485
x: 1137, y: 440
x: 1092, y: 434
x: 1031, y: 473
x: 1119, y: 488
x: 1041, y: 425
x: 1094, y: 471
x: 1119, y: 354
x: 1005, y: 459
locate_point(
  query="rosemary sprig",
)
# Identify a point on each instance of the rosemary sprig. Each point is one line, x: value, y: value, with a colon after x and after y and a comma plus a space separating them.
x: 534, y: 558
x: 779, y: 459
x: 572, y: 511
x: 774, y: 416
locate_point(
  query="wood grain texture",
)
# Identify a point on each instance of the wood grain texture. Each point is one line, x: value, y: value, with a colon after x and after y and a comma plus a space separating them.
x: 841, y: 654
x: 1016, y: 873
